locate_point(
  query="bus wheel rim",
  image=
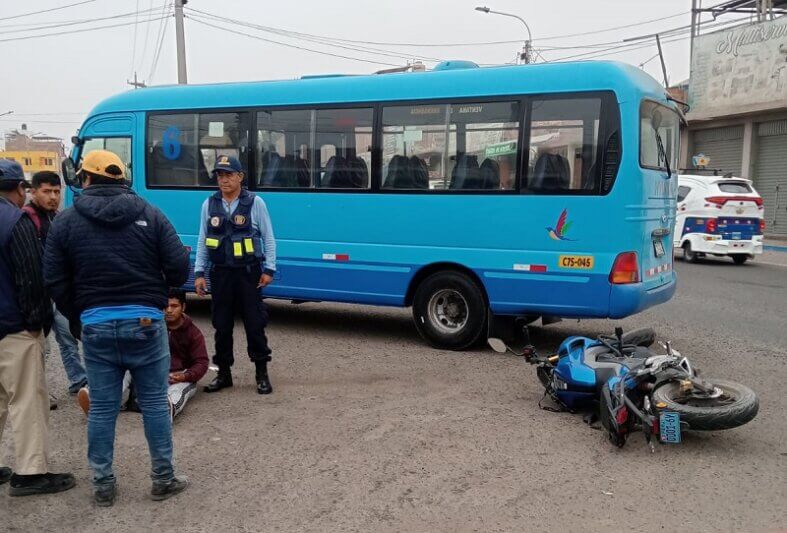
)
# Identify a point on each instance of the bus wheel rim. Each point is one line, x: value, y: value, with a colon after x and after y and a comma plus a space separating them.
x: 448, y: 310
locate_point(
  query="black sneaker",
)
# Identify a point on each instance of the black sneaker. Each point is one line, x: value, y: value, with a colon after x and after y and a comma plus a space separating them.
x: 48, y: 483
x: 162, y: 491
x: 105, y: 496
x: 5, y: 474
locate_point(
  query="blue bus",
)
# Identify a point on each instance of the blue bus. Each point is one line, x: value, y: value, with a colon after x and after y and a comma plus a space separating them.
x: 480, y: 197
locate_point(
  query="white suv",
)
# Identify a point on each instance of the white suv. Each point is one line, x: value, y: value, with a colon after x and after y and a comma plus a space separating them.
x: 720, y: 216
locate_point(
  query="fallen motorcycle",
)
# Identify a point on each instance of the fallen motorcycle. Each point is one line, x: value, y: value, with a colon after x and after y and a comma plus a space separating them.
x: 628, y: 387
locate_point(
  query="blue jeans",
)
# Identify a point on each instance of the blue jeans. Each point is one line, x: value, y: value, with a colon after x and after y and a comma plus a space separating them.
x: 69, y: 352
x: 112, y: 348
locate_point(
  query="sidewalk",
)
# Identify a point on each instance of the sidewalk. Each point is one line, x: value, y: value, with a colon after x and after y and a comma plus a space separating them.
x: 775, y: 243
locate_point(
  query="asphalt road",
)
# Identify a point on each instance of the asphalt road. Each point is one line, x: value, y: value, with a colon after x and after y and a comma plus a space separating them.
x: 370, y: 430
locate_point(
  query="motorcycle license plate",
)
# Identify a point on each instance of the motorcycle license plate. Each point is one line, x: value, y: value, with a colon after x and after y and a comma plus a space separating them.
x: 658, y: 248
x: 669, y: 428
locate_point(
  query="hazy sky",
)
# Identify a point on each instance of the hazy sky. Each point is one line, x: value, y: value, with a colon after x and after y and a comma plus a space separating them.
x: 50, y: 83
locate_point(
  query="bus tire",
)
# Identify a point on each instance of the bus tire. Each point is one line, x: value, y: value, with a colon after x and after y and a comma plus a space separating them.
x: 689, y: 255
x: 450, y: 310
x: 740, y: 258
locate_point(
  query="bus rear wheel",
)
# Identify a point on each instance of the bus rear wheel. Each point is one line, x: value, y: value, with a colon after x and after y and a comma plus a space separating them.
x: 689, y: 255
x: 449, y: 310
x: 740, y: 258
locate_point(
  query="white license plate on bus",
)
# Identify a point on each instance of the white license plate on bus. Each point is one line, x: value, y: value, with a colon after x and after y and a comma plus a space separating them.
x: 658, y: 248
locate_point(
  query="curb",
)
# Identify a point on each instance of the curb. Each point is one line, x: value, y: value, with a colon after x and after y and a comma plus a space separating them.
x: 772, y: 248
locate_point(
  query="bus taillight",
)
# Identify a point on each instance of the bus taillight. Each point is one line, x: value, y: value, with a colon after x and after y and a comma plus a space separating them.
x: 625, y: 270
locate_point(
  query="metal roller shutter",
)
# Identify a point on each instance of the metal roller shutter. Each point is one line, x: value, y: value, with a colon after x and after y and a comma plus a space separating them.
x: 770, y: 174
x: 724, y: 147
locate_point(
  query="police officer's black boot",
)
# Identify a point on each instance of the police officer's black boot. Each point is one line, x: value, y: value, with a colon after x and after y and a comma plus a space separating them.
x: 222, y: 380
x: 263, y: 381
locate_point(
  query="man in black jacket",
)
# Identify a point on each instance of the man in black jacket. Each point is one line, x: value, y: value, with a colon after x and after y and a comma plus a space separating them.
x: 108, y: 263
x: 25, y: 319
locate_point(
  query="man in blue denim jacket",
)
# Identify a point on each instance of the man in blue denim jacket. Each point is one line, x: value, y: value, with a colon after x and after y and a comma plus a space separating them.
x: 108, y: 263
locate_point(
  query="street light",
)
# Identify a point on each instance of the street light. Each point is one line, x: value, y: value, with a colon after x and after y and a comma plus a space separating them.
x: 526, y: 54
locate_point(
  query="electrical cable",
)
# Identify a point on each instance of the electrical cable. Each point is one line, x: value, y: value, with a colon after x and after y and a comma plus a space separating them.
x: 54, y: 25
x: 145, y: 40
x: 134, y: 46
x: 82, y: 30
x: 48, y: 10
x: 315, y: 39
x: 293, y: 45
x: 162, y: 32
x: 483, y: 43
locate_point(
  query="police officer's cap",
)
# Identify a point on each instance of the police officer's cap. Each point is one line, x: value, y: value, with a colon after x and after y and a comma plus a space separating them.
x: 227, y: 163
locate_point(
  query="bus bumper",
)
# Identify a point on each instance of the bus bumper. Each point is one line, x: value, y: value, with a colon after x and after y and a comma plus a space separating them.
x: 625, y: 300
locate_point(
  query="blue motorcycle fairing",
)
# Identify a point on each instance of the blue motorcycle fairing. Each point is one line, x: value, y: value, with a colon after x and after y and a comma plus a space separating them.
x: 586, y: 365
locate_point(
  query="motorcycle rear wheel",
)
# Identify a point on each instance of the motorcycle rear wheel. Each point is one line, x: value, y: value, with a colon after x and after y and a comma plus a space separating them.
x: 736, y: 406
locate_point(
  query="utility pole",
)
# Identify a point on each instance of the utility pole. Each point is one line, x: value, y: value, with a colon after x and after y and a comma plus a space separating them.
x: 525, y: 55
x: 136, y: 84
x: 180, y: 41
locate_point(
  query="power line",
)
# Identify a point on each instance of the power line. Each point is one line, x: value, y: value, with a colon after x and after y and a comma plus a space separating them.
x: 134, y: 46
x: 162, y: 32
x: 315, y: 39
x: 482, y: 43
x: 83, y: 30
x: 293, y: 45
x: 54, y: 25
x: 147, y: 35
x: 676, y: 34
x: 48, y: 10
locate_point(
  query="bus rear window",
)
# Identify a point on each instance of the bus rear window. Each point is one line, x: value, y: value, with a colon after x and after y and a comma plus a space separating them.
x: 734, y: 187
x: 658, y: 125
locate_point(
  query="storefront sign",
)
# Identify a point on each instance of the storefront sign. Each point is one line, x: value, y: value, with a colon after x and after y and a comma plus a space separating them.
x: 739, y: 70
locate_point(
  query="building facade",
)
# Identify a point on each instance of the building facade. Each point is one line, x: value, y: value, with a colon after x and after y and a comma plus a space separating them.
x: 738, y: 117
x: 34, y: 152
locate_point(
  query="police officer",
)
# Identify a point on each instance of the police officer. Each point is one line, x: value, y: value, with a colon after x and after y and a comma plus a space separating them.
x: 238, y: 251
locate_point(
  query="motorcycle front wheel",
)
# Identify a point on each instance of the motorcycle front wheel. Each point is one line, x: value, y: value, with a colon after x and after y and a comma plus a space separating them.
x: 731, y: 405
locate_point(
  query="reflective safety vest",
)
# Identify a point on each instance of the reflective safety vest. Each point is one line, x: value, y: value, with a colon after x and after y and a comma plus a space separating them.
x: 232, y: 240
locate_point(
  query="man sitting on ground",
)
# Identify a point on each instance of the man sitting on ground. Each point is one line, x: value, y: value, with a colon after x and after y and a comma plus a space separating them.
x: 188, y: 363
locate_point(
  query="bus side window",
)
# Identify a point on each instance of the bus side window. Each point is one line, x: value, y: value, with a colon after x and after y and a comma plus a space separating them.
x: 183, y: 147
x: 459, y: 146
x: 284, y: 149
x: 344, y: 138
x: 564, y: 135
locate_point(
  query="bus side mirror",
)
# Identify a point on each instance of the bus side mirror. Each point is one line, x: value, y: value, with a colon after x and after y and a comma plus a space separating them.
x: 69, y: 172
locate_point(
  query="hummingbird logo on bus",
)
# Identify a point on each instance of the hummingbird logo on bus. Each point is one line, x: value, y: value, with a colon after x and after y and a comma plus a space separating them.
x: 558, y: 233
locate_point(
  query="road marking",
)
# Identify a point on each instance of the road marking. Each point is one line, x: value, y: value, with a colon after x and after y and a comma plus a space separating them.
x: 770, y: 264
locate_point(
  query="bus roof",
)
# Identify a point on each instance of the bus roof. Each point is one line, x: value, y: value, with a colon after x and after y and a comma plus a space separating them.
x: 627, y: 81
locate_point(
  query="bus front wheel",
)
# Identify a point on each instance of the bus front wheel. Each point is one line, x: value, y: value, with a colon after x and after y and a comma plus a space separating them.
x: 449, y: 310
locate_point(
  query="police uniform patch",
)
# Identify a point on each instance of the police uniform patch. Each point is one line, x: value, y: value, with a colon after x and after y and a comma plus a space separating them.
x: 215, y: 221
x: 224, y: 160
x: 240, y: 220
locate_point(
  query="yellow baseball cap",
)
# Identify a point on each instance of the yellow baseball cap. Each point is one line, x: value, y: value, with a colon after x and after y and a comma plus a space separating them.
x: 104, y: 163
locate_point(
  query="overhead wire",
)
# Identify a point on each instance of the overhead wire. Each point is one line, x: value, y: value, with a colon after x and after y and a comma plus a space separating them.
x: 48, y: 10
x: 69, y: 32
x: 134, y: 46
x: 54, y: 25
x: 289, y: 45
x: 160, y: 39
x: 314, y: 38
x: 145, y: 40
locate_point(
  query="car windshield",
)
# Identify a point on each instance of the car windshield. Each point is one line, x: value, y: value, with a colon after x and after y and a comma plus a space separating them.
x: 659, y: 136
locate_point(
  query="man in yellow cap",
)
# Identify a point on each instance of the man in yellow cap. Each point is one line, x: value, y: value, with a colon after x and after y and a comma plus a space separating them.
x: 108, y: 263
